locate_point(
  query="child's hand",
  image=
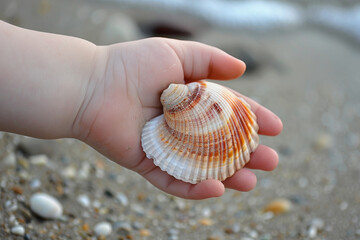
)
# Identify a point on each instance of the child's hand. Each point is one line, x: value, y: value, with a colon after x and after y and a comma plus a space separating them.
x: 124, y: 93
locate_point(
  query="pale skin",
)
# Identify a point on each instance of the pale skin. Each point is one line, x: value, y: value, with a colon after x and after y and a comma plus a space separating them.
x: 54, y: 86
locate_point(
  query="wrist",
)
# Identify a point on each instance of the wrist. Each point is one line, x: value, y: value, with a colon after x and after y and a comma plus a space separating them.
x: 90, y: 101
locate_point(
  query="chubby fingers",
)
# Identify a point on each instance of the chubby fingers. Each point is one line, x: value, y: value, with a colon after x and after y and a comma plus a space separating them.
x: 160, y: 179
x: 264, y: 158
x: 201, y: 61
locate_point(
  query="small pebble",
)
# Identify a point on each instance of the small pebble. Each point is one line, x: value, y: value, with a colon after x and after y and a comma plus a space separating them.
x: 84, y: 200
x: 108, y: 193
x: 122, y: 198
x: 23, y: 162
x: 96, y: 204
x: 228, y: 231
x: 18, y: 230
x: 35, y: 183
x: 206, y: 212
x: 206, y: 222
x: 298, y: 199
x: 40, y: 160
x: 27, y: 237
x: 141, y: 196
x: 84, y: 170
x: 315, y: 225
x: 138, y: 209
x: 343, y: 205
x: 323, y: 142
x: 180, y: 204
x: 24, y: 175
x: 10, y: 160
x: 45, y: 206
x: 103, y: 229
x: 312, y: 232
x: 137, y: 225
x: 278, y: 206
x: 85, y: 227
x: 145, y: 233
x: 253, y: 234
x: 12, y: 218
x: 17, y: 190
x: 69, y: 172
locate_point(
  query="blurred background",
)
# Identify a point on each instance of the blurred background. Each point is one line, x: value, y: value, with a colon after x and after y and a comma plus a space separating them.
x: 303, y: 60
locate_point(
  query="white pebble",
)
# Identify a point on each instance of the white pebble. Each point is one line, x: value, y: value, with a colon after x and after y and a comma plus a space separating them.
x: 45, y: 206
x: 103, y: 229
x: 312, y: 233
x: 122, y: 198
x: 35, y: 183
x: 41, y: 159
x: 12, y: 218
x: 84, y: 171
x: 18, y: 230
x: 69, y: 172
x: 84, y: 200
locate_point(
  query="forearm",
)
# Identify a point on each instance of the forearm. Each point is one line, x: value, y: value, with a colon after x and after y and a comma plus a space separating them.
x: 43, y: 81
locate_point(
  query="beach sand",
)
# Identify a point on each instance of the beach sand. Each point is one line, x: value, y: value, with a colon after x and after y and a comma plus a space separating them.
x: 308, y: 76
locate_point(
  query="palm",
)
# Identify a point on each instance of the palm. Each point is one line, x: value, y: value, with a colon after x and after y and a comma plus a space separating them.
x: 137, y: 73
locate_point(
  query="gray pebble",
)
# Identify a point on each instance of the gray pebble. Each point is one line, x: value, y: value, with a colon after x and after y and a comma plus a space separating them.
x: 122, y: 198
x: 298, y: 199
x: 138, y: 209
x: 137, y: 225
x: 236, y: 228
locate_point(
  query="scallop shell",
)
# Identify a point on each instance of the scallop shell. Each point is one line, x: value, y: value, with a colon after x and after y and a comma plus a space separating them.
x: 206, y: 132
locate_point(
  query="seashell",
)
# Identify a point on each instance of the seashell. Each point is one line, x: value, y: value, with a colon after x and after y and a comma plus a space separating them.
x: 206, y: 132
